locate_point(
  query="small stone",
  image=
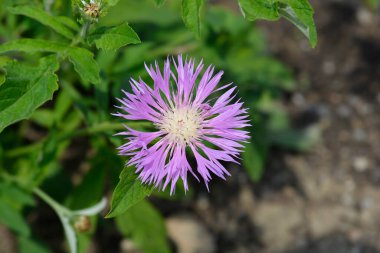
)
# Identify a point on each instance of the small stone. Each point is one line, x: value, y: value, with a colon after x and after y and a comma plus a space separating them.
x: 366, y: 203
x: 344, y: 111
x: 355, y: 235
x: 128, y: 246
x: 323, y: 110
x: 329, y: 67
x: 364, y: 16
x: 278, y: 223
x: 8, y: 242
x: 361, y: 163
x: 247, y: 199
x: 348, y: 200
x: 359, y: 135
x: 190, y: 235
x: 349, y: 185
x: 299, y: 100
x: 203, y: 203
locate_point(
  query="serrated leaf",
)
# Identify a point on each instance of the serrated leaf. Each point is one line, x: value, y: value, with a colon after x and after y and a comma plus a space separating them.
x: 112, y: 38
x: 26, y: 88
x: 82, y: 59
x: 44, y: 18
x: 191, y: 15
x: 84, y: 64
x: 128, y: 192
x: 298, y: 12
x: 146, y: 227
x: 13, y: 219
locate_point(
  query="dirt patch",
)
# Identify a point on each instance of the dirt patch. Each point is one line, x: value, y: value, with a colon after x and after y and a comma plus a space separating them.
x: 325, y: 200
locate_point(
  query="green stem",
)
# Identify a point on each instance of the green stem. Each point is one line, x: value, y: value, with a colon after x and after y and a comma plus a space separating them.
x: 24, y: 149
x: 84, y: 30
x: 47, y: 5
x: 58, y: 208
x: 82, y: 34
x: 100, y: 128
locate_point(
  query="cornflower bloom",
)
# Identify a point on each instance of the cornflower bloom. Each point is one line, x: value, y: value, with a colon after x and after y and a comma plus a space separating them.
x: 92, y: 9
x: 185, y: 118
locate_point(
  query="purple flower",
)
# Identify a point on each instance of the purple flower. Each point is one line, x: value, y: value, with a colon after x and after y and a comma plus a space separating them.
x: 185, y: 118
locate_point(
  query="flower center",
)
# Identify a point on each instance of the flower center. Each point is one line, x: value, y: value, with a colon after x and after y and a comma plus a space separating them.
x: 181, y: 125
x: 92, y: 10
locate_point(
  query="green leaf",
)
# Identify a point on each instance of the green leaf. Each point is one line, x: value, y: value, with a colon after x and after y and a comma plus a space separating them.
x: 259, y: 9
x: 32, y: 46
x: 15, y: 196
x: 373, y: 4
x: 26, y: 88
x: 112, y: 38
x: 63, y: 102
x: 299, y: 12
x: 44, y: 18
x: 43, y: 117
x: 146, y: 227
x: 69, y: 23
x: 253, y: 161
x: 298, y: 140
x: 112, y: 2
x: 13, y: 219
x: 90, y: 189
x: 2, y: 78
x: 128, y: 192
x: 84, y: 64
x: 159, y: 3
x: 82, y: 59
x: 27, y: 245
x: 191, y: 15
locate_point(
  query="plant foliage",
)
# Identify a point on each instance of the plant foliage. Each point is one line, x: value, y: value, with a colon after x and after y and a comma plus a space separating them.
x: 62, y: 64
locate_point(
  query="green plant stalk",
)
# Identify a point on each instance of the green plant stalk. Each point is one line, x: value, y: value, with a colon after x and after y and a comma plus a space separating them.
x: 48, y: 4
x: 82, y: 34
x: 58, y: 208
x: 100, y: 128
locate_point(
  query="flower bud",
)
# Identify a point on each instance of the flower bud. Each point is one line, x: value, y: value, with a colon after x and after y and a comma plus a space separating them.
x: 82, y: 224
x: 91, y: 10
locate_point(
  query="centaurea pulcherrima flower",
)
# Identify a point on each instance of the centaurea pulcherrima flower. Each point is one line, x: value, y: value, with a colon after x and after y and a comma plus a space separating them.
x: 186, y: 118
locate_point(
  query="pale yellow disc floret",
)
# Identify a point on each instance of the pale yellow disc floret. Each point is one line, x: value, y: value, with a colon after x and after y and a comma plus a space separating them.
x: 181, y: 125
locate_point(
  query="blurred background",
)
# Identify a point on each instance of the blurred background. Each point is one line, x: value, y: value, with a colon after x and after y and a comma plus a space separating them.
x: 309, y: 180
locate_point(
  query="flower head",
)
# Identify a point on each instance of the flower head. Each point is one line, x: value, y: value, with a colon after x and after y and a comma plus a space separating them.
x: 185, y: 118
x: 91, y: 9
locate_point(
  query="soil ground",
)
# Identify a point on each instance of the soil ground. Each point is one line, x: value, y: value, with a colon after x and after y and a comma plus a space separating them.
x: 326, y: 200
